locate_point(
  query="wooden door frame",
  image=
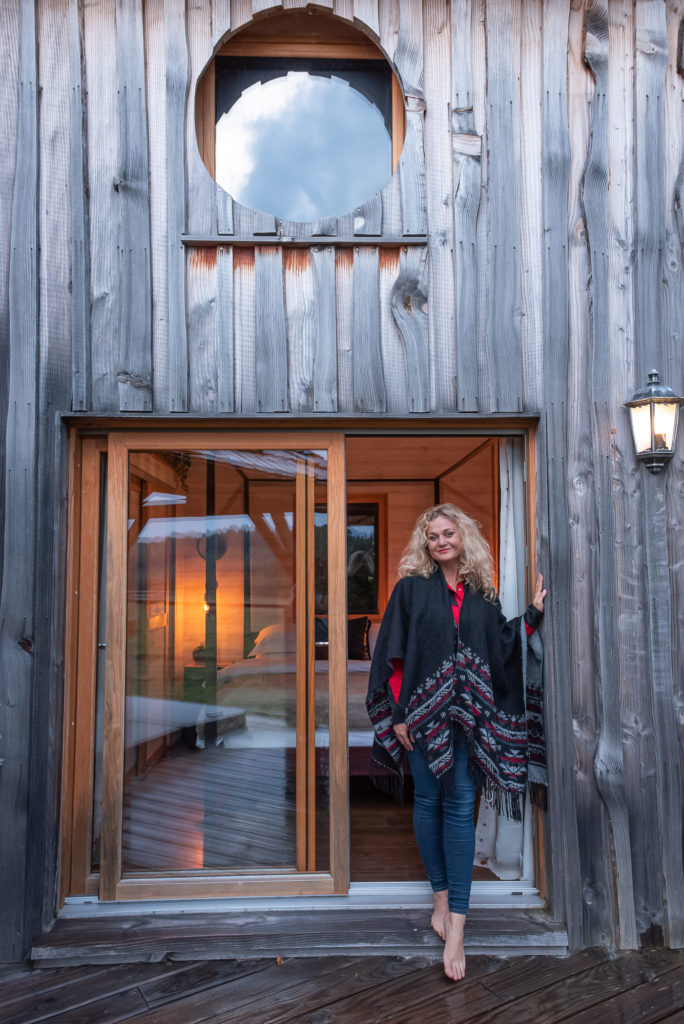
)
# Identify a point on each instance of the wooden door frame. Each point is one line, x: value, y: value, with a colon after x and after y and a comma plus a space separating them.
x: 76, y: 876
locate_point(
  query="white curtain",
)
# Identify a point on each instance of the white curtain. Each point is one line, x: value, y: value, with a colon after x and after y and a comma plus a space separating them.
x: 503, y: 845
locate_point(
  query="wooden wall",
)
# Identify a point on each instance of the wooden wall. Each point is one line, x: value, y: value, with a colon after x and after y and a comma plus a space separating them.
x: 526, y: 258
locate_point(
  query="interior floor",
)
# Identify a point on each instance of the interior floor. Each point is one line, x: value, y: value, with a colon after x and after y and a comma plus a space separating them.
x: 188, y: 811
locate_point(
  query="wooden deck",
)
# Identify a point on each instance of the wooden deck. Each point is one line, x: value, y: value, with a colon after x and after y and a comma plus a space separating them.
x: 591, y: 986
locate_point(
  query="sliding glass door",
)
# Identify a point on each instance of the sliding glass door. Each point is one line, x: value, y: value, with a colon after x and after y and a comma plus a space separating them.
x: 220, y: 755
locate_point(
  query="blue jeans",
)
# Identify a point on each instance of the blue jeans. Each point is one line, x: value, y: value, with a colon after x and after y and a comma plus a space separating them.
x: 444, y: 828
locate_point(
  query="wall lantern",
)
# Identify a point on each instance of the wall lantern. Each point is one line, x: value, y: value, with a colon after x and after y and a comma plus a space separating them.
x: 654, y: 411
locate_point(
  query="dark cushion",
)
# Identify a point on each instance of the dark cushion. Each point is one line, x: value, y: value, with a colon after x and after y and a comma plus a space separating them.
x: 357, y: 639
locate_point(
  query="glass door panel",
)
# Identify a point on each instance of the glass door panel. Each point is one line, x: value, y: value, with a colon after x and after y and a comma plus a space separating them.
x: 225, y: 759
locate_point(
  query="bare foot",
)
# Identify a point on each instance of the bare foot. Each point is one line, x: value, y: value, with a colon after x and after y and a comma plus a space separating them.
x: 440, y: 913
x: 454, y: 954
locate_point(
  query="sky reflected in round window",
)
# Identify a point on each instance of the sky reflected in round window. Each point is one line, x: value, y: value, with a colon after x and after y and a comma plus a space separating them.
x: 302, y: 147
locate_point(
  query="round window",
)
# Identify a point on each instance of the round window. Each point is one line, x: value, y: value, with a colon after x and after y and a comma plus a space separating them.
x: 307, y: 135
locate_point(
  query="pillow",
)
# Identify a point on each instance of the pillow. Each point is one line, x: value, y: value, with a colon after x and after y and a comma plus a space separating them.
x: 274, y: 640
x: 357, y: 639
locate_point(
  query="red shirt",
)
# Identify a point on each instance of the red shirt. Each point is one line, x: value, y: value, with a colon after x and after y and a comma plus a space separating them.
x: 398, y: 664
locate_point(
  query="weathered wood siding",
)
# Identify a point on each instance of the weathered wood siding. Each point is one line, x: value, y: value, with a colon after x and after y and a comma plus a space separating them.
x: 525, y: 258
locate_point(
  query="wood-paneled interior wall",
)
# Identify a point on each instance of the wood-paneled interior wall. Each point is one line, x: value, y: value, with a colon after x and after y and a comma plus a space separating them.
x: 544, y: 165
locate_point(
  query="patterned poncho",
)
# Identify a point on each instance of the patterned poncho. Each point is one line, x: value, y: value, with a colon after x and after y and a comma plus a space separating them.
x: 479, y: 684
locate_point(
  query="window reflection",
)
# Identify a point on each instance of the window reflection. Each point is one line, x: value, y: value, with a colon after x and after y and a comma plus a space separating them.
x: 303, y: 139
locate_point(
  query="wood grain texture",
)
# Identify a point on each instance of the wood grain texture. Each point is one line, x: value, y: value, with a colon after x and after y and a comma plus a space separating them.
x: 201, y: 216
x: 16, y: 596
x: 597, y: 904
x: 202, y: 320
x: 409, y: 63
x: 244, y: 329
x: 366, y: 12
x: 54, y: 392
x: 325, y: 358
x: 552, y: 542
x: 467, y: 185
x: 409, y: 309
x: 134, y: 372
x: 301, y: 318
x: 154, y: 29
x: 99, y: 46
x: 270, y: 337
x: 368, y: 216
x: 650, y: 82
x: 503, y: 352
x: 220, y: 20
x: 608, y: 761
x: 637, y: 743
x: 226, y: 341
x: 369, y: 383
x: 439, y: 182
x: 177, y: 85
x: 344, y: 315
x: 531, y: 193
x: 80, y: 252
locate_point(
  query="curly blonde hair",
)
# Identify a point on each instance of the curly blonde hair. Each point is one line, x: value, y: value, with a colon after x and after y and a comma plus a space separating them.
x: 476, y: 562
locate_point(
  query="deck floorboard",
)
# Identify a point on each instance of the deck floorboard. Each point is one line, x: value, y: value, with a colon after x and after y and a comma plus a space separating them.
x: 588, y: 986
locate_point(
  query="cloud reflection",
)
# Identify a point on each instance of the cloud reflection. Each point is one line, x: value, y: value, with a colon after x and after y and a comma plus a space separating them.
x: 302, y: 147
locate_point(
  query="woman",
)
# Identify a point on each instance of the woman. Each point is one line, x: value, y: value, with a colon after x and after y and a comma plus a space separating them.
x: 447, y: 685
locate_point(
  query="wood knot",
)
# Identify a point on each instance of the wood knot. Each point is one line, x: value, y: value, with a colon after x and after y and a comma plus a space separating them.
x: 26, y: 644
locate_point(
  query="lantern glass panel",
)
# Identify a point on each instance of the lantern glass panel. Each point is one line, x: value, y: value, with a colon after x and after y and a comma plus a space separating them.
x: 664, y: 419
x: 641, y: 427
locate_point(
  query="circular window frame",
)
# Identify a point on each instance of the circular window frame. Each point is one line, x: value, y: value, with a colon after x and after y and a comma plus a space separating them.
x: 297, y: 34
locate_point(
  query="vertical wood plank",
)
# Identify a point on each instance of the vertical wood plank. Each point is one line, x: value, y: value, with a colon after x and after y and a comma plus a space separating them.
x: 156, y: 84
x: 553, y: 553
x: 673, y: 312
x: 99, y: 23
x: 531, y: 230
x: 177, y: 84
x: 409, y: 62
x: 54, y: 393
x: 244, y: 330
x: 391, y: 346
x: 409, y: 309
x: 202, y: 329
x: 224, y: 283
x: 503, y: 354
x: 368, y: 216
x: 300, y: 306
x: 608, y: 760
x: 133, y: 175
x: 650, y: 82
x: 439, y: 207
x: 637, y: 744
x: 201, y: 217
x: 80, y: 256
x: 366, y: 12
x: 344, y: 314
x: 369, y: 384
x: 220, y: 20
x: 16, y: 596
x: 325, y: 361
x: 466, y: 157
x: 271, y: 337
x: 224, y: 212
